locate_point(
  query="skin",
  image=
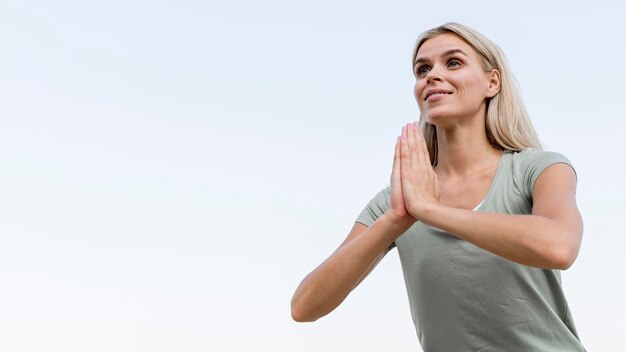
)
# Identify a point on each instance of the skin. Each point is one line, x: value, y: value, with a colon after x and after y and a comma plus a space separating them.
x: 443, y: 196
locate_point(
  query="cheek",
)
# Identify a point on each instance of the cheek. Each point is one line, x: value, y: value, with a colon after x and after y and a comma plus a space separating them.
x: 472, y: 88
x: 417, y: 91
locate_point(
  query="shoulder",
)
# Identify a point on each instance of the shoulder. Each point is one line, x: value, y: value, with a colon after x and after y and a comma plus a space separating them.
x: 375, y: 208
x: 529, y: 164
x: 529, y: 157
x: 382, y: 198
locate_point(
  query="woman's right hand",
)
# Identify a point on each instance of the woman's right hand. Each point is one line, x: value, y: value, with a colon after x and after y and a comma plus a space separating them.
x: 397, y: 211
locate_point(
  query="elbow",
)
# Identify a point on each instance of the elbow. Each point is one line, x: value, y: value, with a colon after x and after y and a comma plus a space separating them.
x: 300, y: 317
x: 300, y: 313
x: 564, y: 256
x: 562, y: 262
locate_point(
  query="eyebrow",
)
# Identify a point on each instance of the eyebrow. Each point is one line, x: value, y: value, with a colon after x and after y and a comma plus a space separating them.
x: 447, y: 53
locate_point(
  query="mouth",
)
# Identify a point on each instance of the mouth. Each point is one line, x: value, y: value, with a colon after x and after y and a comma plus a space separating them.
x: 434, y: 93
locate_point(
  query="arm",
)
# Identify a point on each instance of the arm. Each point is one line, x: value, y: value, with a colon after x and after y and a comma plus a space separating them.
x: 548, y: 238
x: 330, y: 283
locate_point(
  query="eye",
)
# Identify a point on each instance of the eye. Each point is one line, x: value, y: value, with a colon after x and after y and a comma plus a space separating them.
x: 421, y: 71
x: 454, y: 63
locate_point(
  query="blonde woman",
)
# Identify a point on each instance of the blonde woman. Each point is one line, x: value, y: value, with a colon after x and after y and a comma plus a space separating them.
x: 482, y: 218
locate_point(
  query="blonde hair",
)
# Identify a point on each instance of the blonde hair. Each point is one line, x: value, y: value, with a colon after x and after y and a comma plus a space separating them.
x: 507, y: 122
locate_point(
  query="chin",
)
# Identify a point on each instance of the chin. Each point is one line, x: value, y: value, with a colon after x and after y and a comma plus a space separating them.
x: 436, y: 117
x: 442, y: 117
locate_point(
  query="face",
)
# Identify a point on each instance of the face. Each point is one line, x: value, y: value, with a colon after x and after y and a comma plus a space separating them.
x: 450, y: 81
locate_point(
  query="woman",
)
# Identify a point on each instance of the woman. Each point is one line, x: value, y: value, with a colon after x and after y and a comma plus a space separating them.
x: 483, y: 220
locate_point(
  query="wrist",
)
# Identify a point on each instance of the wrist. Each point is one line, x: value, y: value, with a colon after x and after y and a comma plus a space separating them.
x: 401, y: 223
x: 422, y: 211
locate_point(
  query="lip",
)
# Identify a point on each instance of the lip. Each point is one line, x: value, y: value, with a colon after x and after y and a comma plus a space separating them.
x: 436, y: 92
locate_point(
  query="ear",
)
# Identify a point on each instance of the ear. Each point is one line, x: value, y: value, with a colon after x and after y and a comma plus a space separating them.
x: 494, y: 83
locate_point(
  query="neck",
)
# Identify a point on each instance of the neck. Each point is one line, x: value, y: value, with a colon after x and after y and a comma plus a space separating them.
x: 464, y: 149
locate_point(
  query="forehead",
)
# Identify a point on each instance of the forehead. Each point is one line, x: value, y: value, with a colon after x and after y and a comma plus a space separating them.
x: 442, y: 43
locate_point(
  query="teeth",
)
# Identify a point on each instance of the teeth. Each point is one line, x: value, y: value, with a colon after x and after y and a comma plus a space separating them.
x: 430, y: 95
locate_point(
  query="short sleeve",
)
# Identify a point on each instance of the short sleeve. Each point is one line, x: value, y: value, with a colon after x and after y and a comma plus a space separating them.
x: 530, y: 164
x: 375, y: 208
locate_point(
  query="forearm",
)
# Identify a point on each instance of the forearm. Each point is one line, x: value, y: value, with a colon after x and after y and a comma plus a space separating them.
x: 330, y: 283
x: 531, y: 240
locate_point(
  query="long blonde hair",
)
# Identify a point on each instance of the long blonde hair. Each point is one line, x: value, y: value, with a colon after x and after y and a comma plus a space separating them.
x: 507, y: 122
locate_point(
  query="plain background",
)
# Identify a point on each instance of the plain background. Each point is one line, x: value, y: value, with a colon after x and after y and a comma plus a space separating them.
x: 170, y: 171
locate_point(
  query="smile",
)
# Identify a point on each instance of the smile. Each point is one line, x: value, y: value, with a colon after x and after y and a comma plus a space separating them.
x: 435, y: 93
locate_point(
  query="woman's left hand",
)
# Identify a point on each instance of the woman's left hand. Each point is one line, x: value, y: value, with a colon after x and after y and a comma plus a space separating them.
x: 420, y: 187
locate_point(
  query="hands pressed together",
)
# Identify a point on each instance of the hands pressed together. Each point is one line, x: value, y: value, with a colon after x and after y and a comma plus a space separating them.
x: 414, y: 185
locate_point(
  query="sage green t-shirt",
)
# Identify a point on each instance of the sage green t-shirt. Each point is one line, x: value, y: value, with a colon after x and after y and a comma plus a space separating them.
x: 464, y: 298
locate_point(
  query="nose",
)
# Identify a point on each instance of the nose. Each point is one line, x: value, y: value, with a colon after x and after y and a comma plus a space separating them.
x: 433, y: 75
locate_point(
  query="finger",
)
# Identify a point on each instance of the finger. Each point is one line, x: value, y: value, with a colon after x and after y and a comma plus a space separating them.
x: 419, y: 136
x: 411, y: 134
x: 423, y: 148
x: 404, y: 141
x: 424, y: 160
x: 413, y: 145
x: 404, y: 158
x: 395, y: 170
x: 396, y: 173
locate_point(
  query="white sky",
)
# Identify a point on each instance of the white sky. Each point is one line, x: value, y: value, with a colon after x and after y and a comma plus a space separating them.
x: 170, y: 171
